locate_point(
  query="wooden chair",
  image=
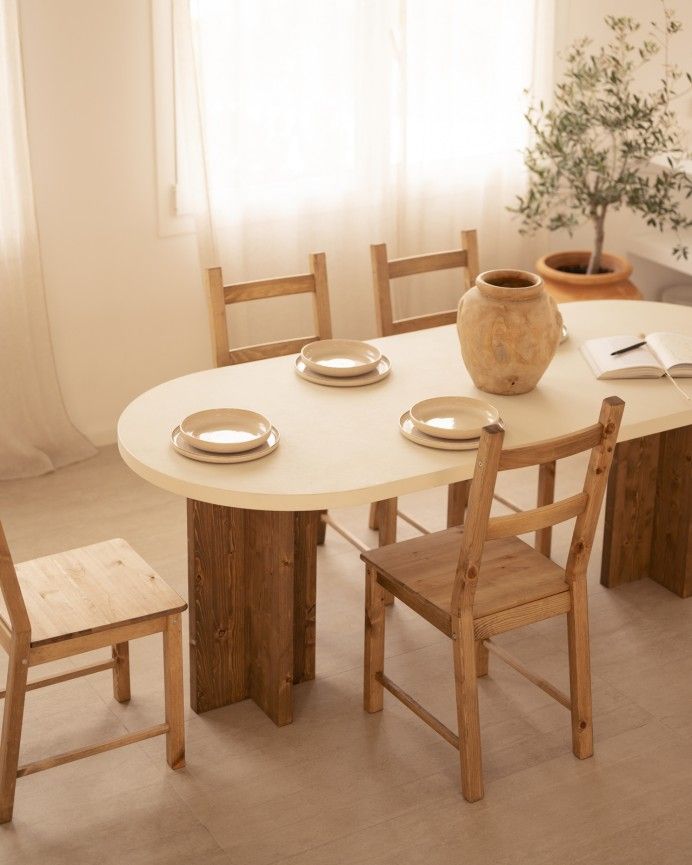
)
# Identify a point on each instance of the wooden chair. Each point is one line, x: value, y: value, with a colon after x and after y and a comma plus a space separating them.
x: 314, y: 282
x: 74, y: 602
x: 221, y: 296
x: 482, y: 580
x: 383, y: 515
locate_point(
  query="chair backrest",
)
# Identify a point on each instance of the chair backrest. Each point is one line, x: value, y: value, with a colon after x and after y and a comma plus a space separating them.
x: 220, y: 296
x: 12, y: 595
x: 384, y: 270
x: 585, y: 506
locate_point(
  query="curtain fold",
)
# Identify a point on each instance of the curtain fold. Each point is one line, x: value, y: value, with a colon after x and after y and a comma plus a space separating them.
x: 36, y: 435
x: 313, y: 126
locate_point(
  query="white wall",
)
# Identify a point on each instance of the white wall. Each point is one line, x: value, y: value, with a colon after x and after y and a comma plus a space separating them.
x: 126, y: 307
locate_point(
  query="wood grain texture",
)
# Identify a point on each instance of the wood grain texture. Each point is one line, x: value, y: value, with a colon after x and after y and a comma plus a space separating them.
x: 173, y: 692
x: 218, y: 620
x: 437, y: 576
x: 671, y: 545
x: 98, y: 640
x: 269, y: 545
x: 457, y: 499
x: 385, y: 269
x: 468, y: 718
x: 629, y: 511
x: 220, y: 296
x: 307, y: 526
x: 89, y: 590
x: 13, y: 716
x: 546, y: 495
x: 252, y: 622
x: 121, y: 672
x: 77, y: 673
x: 419, y: 710
x: 91, y: 750
x: 374, y: 642
x: 100, y: 595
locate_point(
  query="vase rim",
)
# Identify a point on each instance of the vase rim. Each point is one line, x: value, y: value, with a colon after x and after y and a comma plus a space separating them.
x: 509, y: 283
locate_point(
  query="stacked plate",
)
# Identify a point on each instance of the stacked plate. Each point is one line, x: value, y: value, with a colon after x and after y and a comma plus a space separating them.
x: 451, y: 423
x: 225, y: 435
x: 342, y: 363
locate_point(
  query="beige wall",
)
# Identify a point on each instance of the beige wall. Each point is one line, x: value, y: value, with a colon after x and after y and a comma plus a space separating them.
x: 126, y: 306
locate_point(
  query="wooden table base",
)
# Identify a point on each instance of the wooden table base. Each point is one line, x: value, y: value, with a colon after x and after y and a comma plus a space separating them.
x: 252, y: 606
x: 648, y: 517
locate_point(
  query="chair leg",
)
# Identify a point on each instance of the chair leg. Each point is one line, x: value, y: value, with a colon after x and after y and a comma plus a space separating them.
x: 464, y: 648
x: 386, y: 526
x: 321, y: 530
x: 546, y: 496
x: 12, y: 724
x: 372, y: 519
x: 482, y: 659
x: 580, y: 671
x: 457, y: 499
x: 374, y: 641
x: 173, y: 685
x: 121, y: 671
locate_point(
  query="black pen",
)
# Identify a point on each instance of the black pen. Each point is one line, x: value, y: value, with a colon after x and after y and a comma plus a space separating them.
x: 628, y: 348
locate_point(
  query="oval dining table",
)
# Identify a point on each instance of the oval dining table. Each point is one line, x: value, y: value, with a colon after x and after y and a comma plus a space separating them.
x: 253, y: 527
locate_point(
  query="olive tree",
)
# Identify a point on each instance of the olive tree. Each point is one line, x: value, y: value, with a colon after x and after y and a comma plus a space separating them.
x: 593, y: 148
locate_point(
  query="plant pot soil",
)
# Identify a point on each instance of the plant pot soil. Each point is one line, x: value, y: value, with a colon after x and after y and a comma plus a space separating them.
x: 564, y: 276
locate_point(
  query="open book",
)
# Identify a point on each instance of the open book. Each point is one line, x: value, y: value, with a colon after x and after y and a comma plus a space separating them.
x: 663, y: 353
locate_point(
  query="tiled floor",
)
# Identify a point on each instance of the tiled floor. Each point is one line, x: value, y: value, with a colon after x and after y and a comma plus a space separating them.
x: 341, y: 786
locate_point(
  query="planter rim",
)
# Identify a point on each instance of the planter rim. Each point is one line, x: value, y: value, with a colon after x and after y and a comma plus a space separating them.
x: 547, y: 266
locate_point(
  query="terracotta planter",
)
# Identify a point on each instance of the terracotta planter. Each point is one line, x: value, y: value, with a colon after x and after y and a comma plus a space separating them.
x: 508, y: 329
x: 565, y: 287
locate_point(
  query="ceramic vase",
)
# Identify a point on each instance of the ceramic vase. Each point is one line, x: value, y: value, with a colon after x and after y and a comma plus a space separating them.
x: 509, y: 329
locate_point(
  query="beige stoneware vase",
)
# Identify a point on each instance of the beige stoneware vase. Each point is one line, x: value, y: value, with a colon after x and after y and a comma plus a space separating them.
x: 509, y: 329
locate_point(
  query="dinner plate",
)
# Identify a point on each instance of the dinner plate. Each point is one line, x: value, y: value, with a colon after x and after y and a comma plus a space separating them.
x: 381, y: 371
x: 453, y: 417
x: 182, y: 447
x: 225, y: 430
x: 340, y: 358
x: 411, y: 431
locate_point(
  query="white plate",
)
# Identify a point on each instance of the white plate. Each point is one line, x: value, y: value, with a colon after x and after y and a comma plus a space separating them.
x: 411, y: 431
x: 192, y: 453
x: 381, y: 371
x: 340, y: 358
x: 453, y: 417
x: 225, y: 430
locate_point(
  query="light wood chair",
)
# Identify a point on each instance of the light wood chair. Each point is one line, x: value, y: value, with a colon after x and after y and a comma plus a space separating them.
x: 383, y: 515
x: 482, y: 580
x: 314, y: 282
x: 220, y: 296
x: 73, y: 602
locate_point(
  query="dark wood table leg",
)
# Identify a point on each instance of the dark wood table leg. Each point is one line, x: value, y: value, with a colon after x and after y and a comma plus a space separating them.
x: 457, y: 499
x: 252, y: 606
x: 648, y: 517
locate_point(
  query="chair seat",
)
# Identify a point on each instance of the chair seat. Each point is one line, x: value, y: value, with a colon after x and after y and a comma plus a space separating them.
x: 512, y: 576
x: 91, y: 589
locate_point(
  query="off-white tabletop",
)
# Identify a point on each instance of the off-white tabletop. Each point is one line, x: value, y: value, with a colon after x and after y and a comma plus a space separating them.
x: 342, y: 446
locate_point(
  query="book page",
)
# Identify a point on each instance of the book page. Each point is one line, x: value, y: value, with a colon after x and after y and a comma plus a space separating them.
x: 671, y: 348
x: 631, y: 362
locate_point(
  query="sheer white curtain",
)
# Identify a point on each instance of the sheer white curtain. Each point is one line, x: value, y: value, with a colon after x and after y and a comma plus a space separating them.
x: 327, y: 126
x: 36, y: 435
